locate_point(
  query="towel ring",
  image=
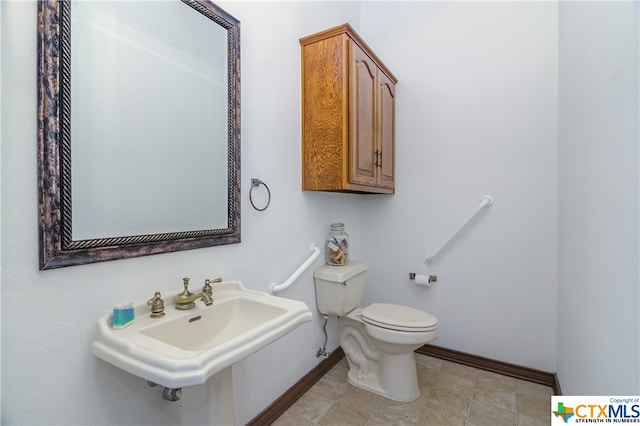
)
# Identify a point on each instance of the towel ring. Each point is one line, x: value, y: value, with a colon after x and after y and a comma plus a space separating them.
x: 255, y: 183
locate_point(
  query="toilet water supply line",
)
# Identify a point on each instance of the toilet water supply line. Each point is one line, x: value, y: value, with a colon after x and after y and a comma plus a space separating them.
x: 487, y: 201
x: 276, y: 288
x: 322, y: 350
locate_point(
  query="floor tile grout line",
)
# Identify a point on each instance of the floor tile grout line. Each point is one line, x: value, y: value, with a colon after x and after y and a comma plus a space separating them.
x: 515, y: 404
x: 431, y: 391
x: 374, y: 410
x: 515, y: 401
x: 426, y: 401
x: 336, y: 400
x: 475, y: 383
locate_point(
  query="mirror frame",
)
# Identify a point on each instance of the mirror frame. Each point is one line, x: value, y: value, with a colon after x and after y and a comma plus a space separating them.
x: 57, y: 247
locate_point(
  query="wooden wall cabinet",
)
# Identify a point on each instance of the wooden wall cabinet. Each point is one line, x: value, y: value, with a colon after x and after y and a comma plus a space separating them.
x: 348, y: 115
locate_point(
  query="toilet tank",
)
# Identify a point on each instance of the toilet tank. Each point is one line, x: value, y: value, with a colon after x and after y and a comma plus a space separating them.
x: 339, y: 289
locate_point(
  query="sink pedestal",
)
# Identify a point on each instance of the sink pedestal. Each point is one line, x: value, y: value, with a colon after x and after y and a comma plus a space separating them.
x: 210, y: 403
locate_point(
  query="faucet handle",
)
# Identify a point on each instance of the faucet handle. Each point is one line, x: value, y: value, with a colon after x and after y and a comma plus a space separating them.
x: 207, y: 285
x: 157, y: 305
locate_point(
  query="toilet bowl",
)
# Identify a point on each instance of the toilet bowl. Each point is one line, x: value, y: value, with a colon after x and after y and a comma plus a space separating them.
x: 378, y: 340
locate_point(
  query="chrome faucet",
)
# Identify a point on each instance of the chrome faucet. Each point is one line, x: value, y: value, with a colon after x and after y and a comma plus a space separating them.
x: 186, y: 299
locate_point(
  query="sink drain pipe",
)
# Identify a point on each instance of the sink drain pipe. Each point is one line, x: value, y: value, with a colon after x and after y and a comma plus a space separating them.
x: 168, y: 394
x: 171, y: 394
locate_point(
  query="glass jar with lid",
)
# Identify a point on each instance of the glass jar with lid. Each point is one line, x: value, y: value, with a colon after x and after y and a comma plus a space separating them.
x: 337, y: 245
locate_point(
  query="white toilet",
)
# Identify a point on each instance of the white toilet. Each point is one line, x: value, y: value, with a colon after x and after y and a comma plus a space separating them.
x: 378, y: 340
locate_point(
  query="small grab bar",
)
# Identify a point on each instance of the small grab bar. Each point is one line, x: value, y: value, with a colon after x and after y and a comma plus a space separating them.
x: 276, y: 288
x: 487, y: 201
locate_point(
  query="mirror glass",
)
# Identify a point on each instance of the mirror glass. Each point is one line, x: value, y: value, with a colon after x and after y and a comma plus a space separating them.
x: 163, y: 167
x: 145, y: 137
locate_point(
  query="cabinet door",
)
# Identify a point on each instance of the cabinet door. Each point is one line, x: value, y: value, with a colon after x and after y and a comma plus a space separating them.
x: 362, y: 90
x: 386, y: 132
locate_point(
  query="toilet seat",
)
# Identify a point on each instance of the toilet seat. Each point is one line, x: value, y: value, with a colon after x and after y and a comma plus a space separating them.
x: 398, y: 317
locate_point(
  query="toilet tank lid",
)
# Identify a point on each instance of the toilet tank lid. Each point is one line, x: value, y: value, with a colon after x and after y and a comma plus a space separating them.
x: 340, y: 274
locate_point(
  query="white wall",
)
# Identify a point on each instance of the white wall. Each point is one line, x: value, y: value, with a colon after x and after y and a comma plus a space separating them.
x: 49, y: 375
x: 1, y: 115
x: 476, y: 115
x: 598, y: 295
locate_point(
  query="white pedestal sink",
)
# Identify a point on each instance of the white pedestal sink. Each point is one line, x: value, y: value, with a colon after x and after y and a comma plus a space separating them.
x: 195, y: 349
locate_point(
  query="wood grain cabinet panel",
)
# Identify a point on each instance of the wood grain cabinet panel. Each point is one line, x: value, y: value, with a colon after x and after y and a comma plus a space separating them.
x: 348, y: 115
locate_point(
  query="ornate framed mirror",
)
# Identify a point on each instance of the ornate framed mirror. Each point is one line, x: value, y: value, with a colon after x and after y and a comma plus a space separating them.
x: 138, y: 129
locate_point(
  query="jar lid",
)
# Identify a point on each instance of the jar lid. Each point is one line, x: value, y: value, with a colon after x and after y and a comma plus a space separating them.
x: 337, y: 226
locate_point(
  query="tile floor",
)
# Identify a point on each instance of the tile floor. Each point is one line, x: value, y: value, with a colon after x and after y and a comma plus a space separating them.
x: 451, y: 394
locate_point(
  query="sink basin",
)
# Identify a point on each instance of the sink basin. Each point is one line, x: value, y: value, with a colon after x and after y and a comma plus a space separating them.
x: 214, y: 327
x: 186, y: 348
